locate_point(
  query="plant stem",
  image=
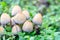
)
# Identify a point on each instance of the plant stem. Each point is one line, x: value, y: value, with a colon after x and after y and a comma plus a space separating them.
x: 4, y: 37
x: 0, y: 37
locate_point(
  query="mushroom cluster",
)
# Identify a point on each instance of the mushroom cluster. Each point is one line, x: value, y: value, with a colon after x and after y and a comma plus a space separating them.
x: 20, y: 17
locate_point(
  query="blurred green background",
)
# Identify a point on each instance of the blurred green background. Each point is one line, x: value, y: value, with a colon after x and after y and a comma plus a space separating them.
x: 50, y: 27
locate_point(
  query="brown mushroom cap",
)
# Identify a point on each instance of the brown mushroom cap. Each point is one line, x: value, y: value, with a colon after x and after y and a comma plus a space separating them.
x: 5, y: 18
x: 16, y: 9
x: 27, y: 26
x: 16, y: 29
x: 37, y: 19
x: 26, y: 13
x: 19, y: 18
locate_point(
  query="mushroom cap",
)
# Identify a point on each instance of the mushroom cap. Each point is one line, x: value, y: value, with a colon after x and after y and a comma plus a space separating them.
x: 37, y: 19
x: 16, y: 9
x: 1, y: 30
x: 26, y: 13
x: 16, y: 29
x: 5, y: 18
x: 19, y: 18
x: 27, y: 26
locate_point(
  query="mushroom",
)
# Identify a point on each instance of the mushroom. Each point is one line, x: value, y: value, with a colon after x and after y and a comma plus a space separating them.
x: 19, y: 18
x: 12, y: 21
x: 5, y: 18
x: 16, y: 9
x: 27, y: 26
x: 1, y: 30
x: 37, y: 29
x: 16, y: 29
x: 26, y: 13
x: 37, y: 19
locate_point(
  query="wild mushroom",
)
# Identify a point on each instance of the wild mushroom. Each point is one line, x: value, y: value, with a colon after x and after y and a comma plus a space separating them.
x: 1, y: 31
x: 27, y: 26
x: 5, y: 18
x: 12, y: 21
x: 16, y: 29
x: 37, y: 29
x: 26, y: 13
x: 37, y: 19
x: 16, y: 9
x: 19, y: 18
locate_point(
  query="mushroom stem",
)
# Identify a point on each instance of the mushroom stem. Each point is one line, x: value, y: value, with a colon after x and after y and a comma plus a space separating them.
x: 10, y: 23
x: 37, y: 29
